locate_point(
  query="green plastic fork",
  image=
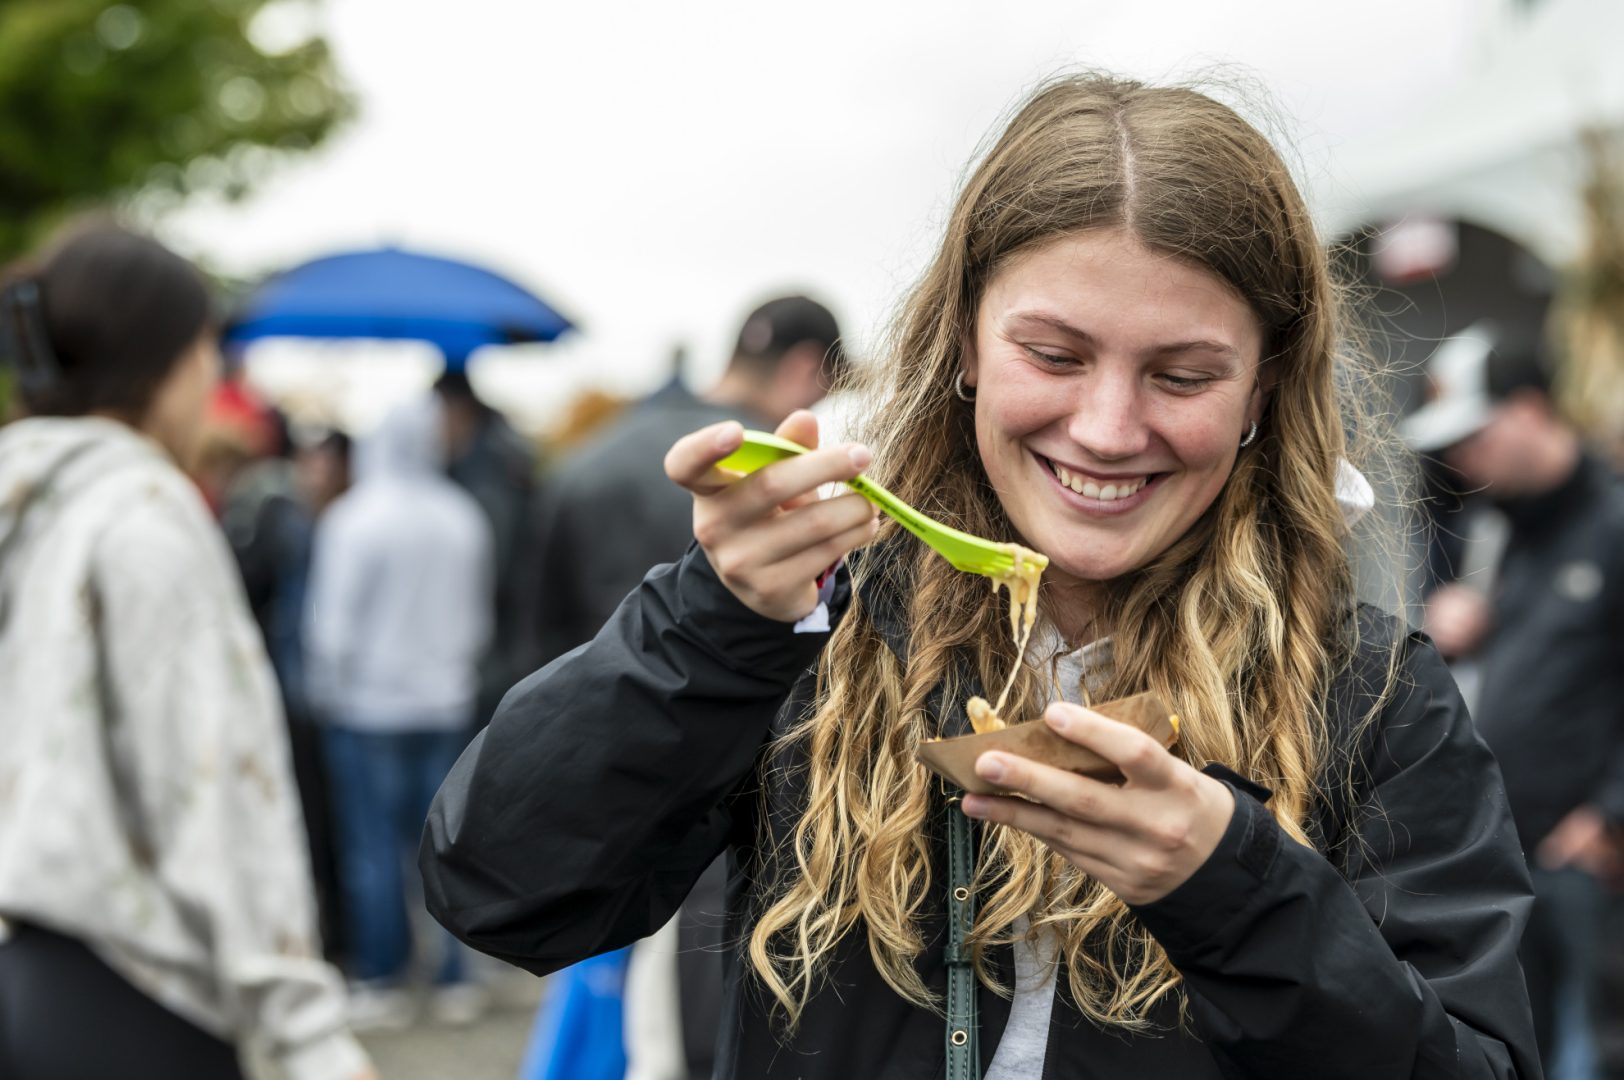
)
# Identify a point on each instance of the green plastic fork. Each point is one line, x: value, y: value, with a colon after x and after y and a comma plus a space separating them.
x: 970, y: 554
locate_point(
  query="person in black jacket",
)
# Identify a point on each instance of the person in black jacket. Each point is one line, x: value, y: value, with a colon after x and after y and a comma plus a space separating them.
x: 787, y: 354
x: 1533, y: 626
x: 1124, y: 355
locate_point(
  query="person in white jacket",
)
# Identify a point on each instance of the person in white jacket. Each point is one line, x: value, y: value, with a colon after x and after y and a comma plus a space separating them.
x: 155, y: 889
x: 400, y: 609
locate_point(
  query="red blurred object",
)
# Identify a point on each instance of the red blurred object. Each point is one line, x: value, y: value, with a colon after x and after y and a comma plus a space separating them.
x: 237, y: 413
x: 1415, y: 248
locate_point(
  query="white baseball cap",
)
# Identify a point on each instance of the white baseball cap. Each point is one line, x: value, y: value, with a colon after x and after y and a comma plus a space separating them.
x: 1467, y: 376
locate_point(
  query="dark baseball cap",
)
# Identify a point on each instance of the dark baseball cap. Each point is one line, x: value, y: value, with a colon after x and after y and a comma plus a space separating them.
x: 779, y: 325
x: 1467, y: 376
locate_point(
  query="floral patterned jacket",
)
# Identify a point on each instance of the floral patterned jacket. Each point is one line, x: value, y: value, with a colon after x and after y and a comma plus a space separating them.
x: 147, y: 806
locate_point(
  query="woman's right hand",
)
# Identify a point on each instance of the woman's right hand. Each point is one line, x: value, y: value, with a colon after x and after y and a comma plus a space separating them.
x: 769, y: 536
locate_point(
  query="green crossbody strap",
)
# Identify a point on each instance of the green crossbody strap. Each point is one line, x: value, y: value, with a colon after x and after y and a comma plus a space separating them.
x: 963, y: 1049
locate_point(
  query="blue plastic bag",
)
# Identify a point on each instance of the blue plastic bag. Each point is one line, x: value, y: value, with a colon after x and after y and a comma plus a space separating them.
x: 580, y: 1027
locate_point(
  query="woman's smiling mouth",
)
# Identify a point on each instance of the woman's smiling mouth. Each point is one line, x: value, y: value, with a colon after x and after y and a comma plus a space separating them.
x: 1100, y: 494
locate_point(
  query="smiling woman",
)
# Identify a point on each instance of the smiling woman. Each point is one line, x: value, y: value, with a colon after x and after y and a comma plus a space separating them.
x: 1126, y: 354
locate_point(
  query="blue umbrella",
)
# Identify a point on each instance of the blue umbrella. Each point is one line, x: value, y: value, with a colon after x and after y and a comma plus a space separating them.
x: 394, y: 294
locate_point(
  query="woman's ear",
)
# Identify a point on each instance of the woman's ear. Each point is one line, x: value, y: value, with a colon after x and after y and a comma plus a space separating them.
x: 1268, y: 372
x: 967, y: 360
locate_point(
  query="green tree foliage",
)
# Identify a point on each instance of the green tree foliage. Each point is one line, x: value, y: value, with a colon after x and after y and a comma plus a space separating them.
x: 102, y: 101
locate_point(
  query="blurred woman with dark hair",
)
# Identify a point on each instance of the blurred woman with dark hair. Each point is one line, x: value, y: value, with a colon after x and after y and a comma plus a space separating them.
x: 154, y: 885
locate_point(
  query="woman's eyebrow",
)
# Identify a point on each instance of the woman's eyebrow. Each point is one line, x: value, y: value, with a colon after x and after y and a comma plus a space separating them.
x: 1045, y: 319
x: 1055, y: 322
x: 1225, y: 352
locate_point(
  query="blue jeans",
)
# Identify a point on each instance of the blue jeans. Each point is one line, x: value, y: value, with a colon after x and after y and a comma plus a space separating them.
x: 381, y: 786
x: 1559, y: 951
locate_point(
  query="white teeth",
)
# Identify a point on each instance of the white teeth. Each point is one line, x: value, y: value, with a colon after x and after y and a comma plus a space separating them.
x: 1108, y: 493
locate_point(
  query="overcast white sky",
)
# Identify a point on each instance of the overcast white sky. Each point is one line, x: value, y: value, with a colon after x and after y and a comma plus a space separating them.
x: 655, y: 168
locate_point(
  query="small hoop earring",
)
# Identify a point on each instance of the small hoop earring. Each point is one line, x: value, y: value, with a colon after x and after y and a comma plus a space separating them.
x: 959, y: 389
x: 1251, y: 435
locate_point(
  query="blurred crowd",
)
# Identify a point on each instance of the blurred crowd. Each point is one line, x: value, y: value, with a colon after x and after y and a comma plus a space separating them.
x: 403, y: 588
x: 391, y: 587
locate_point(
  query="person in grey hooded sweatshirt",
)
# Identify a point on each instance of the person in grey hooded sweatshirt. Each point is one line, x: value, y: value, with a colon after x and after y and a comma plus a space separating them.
x: 398, y: 616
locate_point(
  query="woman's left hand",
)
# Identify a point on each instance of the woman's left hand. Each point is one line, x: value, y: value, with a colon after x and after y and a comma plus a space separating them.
x: 1142, y: 838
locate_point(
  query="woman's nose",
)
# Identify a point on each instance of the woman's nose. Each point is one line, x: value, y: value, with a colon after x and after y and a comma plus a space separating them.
x: 1108, y: 419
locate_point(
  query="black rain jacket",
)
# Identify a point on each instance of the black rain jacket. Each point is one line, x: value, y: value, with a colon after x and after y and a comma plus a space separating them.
x: 578, y: 820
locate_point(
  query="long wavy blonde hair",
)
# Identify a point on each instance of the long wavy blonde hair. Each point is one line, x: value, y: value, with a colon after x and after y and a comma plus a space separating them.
x: 1238, y: 626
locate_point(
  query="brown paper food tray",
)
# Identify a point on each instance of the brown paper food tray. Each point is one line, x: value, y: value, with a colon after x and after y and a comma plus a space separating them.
x: 954, y: 759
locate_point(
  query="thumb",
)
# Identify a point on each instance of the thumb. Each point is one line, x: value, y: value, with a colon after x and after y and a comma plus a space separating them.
x: 800, y: 426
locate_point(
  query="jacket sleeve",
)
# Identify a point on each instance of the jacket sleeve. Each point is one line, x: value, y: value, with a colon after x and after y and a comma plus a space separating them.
x: 1609, y: 796
x: 1404, y: 965
x: 199, y: 732
x: 579, y: 819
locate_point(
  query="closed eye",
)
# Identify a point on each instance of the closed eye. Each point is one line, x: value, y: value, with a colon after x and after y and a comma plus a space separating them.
x: 1184, y: 384
x: 1050, y: 359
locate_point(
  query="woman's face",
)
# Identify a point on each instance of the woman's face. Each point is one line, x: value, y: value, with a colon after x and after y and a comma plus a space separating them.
x: 175, y: 418
x: 1113, y: 387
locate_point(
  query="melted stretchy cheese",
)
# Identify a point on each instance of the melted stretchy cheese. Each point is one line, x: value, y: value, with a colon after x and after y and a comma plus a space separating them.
x: 982, y: 717
x: 1022, y: 583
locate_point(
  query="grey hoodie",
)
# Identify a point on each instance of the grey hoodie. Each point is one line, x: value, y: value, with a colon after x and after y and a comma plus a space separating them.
x: 401, y: 592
